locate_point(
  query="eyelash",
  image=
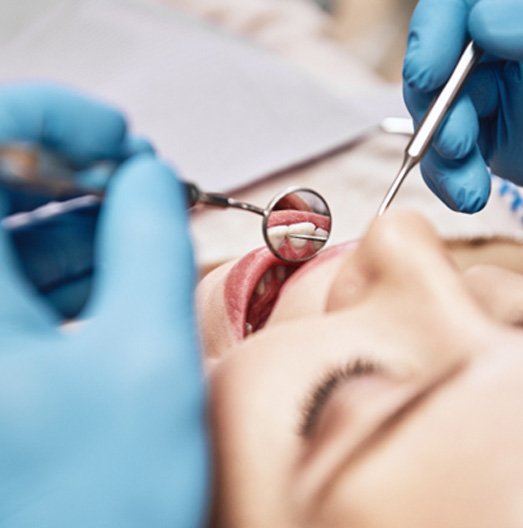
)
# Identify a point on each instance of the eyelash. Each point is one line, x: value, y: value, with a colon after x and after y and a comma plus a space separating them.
x: 323, y: 390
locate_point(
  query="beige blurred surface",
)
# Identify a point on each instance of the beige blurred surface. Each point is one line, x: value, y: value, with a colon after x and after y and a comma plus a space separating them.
x: 376, y: 32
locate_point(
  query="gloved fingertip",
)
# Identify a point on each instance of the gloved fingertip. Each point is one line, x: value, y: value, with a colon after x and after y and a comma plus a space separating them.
x: 470, y: 201
x: 137, y: 145
x: 463, y: 200
x: 436, y: 181
x: 477, y: 201
x: 451, y: 199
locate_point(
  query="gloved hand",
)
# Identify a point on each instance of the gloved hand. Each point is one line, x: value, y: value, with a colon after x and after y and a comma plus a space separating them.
x: 486, y: 125
x: 103, y: 425
x: 57, y: 256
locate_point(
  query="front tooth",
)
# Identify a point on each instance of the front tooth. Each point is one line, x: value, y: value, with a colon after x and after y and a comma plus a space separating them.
x: 277, y: 235
x: 320, y: 232
x: 303, y: 228
x: 248, y: 329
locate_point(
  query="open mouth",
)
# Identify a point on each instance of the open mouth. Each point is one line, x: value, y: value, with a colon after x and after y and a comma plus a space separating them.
x: 254, y: 283
x: 264, y: 297
x: 252, y: 288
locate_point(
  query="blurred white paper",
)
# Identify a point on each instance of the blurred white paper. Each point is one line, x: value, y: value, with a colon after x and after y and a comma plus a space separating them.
x: 223, y: 111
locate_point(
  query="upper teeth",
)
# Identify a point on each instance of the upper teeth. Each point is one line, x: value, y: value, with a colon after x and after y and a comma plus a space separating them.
x: 318, y: 244
x: 277, y: 234
x: 280, y: 272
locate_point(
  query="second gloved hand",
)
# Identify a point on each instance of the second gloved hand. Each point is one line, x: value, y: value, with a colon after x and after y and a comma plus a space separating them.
x: 104, y: 425
x: 485, y: 127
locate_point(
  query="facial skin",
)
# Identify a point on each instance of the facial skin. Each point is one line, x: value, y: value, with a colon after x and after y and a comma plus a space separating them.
x: 418, y: 421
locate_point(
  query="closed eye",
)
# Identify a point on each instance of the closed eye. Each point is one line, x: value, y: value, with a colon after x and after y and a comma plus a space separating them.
x: 323, y: 390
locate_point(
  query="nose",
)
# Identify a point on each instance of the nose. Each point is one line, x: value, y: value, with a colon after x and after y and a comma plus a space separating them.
x: 402, y: 253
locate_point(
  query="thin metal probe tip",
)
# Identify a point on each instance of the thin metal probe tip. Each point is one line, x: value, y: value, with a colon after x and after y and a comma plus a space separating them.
x: 308, y: 237
x: 405, y: 168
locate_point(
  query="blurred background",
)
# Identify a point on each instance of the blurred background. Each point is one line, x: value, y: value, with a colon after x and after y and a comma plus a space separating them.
x: 373, y: 30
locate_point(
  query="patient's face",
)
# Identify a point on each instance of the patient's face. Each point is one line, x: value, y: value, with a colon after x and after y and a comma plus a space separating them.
x: 383, y: 388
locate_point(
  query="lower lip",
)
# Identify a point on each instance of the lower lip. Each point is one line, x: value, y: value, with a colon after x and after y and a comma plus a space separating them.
x: 240, y: 284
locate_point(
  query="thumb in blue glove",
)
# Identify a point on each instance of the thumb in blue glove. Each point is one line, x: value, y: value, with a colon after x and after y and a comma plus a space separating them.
x: 105, y: 426
x: 483, y: 128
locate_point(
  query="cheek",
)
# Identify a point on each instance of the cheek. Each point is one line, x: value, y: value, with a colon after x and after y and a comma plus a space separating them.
x: 216, y: 333
x: 445, y: 464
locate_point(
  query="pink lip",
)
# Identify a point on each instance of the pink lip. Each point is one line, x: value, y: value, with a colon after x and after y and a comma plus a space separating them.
x: 240, y: 283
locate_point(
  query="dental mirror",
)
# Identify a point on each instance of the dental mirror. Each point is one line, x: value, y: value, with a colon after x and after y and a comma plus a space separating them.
x: 297, y: 224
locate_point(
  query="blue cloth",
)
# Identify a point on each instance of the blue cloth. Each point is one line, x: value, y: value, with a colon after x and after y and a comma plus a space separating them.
x: 103, y: 426
x: 485, y: 126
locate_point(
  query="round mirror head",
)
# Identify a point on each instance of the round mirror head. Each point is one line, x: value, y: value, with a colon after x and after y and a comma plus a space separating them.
x: 297, y: 224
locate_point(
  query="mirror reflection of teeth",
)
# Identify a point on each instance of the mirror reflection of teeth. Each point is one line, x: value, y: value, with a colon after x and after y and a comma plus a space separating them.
x: 318, y: 244
x: 278, y: 234
x: 303, y: 228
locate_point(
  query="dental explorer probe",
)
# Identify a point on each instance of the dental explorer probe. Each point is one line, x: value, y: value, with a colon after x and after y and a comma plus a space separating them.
x: 422, y: 138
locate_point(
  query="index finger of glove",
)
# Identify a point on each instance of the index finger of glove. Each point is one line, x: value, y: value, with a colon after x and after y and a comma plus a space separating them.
x: 81, y: 129
x: 437, y: 34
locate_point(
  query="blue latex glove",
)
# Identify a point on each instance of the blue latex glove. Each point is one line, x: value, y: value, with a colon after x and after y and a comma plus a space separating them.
x: 58, y: 255
x: 104, y: 426
x: 486, y: 124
